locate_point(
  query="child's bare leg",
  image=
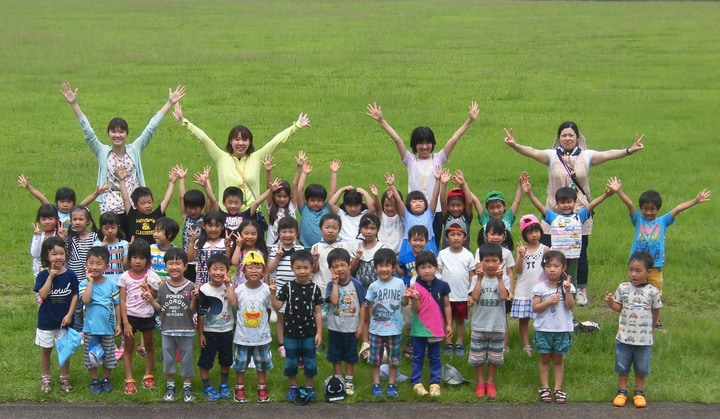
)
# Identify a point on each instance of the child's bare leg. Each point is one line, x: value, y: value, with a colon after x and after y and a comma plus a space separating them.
x: 107, y: 372
x: 292, y: 380
x: 240, y: 378
x: 149, y: 351
x: 376, y: 375
x: 65, y: 369
x: 45, y: 360
x: 262, y: 378
x: 492, y: 372
x: 349, y: 369
x: 622, y: 381
x: 93, y: 373
x: 308, y: 381
x: 524, y: 329
x: 479, y: 374
x: 559, y: 370
x: 280, y: 327
x: 544, y: 370
x: 639, y: 382
x: 127, y: 356
x: 392, y: 377
x: 507, y: 335
x: 337, y: 368
x: 459, y: 331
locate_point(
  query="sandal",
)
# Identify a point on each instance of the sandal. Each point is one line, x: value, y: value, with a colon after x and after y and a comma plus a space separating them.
x: 639, y: 399
x: 528, y: 350
x: 545, y: 395
x: 560, y: 397
x: 620, y: 398
x: 130, y: 386
x: 149, y: 381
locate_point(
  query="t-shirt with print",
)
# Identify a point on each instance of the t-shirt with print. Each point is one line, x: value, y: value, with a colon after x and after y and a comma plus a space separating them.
x: 636, y: 318
x: 232, y: 222
x: 100, y: 312
x: 157, y: 261
x: 566, y: 231
x: 223, y: 321
x: 175, y: 316
x: 365, y: 272
x: 202, y: 275
x: 489, y: 311
x: 283, y: 273
x: 190, y: 224
x: 142, y: 226
x: 556, y: 318
x: 650, y: 236
x: 272, y: 232
x: 310, y: 224
x: 456, y: 268
x: 530, y: 275
x: 135, y: 303
x: 406, y: 262
x: 57, y: 304
x: 323, y: 276
x: 301, y: 301
x: 386, y: 316
x: 117, y: 254
x: 77, y: 255
x: 253, y: 324
x: 345, y: 316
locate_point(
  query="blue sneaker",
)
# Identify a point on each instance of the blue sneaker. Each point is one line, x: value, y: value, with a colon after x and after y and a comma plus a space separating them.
x: 224, y: 391
x: 377, y: 390
x: 95, y: 386
x: 311, y: 392
x: 105, y: 385
x: 392, y: 391
x: 210, y: 393
x: 449, y: 349
x: 292, y: 391
x: 459, y: 349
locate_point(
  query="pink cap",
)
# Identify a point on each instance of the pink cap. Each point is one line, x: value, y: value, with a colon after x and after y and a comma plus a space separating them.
x: 528, y: 220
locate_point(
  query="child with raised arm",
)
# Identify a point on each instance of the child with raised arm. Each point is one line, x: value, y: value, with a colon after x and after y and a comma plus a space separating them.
x: 176, y: 301
x: 252, y: 331
x: 346, y: 320
x: 638, y: 303
x: 311, y: 203
x: 45, y: 226
x: 215, y: 324
x: 386, y: 320
x: 650, y: 229
x: 351, y: 210
x: 141, y: 217
x: 102, y: 311
x: 488, y: 321
x: 303, y: 322
x: 553, y: 303
x: 119, y: 154
x: 166, y: 229
x: 57, y: 287
x: 566, y: 226
x: 431, y: 322
x: 111, y: 237
x: 192, y: 206
x: 391, y: 230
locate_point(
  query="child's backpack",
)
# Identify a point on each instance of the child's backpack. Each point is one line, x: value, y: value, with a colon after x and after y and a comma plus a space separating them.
x: 334, y: 389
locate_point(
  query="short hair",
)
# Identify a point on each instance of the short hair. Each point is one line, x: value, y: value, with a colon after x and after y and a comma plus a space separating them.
x: 389, y: 195
x: 565, y: 193
x: 65, y: 194
x: 244, y: 133
x: 643, y: 257
x: 424, y: 258
x: 46, y: 211
x: 194, y: 198
x: 118, y: 123
x: 176, y: 253
x: 413, y: 196
x: 328, y: 217
x: 287, y: 222
x: 554, y: 255
x: 232, y: 191
x: 140, y: 192
x: 421, y: 135
x: 99, y: 252
x: 338, y: 254
x: 571, y: 125
x: 651, y: 197
x: 49, y: 244
x: 315, y: 190
x: 369, y: 218
x: 302, y: 256
x: 418, y: 230
x: 491, y: 250
x: 218, y: 258
x: 352, y: 197
x: 385, y: 255
x: 169, y: 226
x: 139, y: 248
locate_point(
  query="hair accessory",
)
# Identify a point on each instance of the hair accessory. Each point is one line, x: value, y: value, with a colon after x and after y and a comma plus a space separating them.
x: 253, y: 257
x: 528, y: 220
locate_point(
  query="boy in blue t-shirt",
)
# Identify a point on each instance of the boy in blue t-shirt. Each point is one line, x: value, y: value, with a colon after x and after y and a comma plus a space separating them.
x: 384, y: 301
x: 312, y: 203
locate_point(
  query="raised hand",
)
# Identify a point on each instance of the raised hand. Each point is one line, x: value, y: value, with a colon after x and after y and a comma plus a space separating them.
x: 178, y: 113
x: 637, y: 145
x: 703, y: 196
x: 200, y: 179
x: 174, y: 96
x: 307, y: 167
x: 373, y: 189
x: 300, y: 159
x: 69, y: 93
x: 277, y: 184
x: 474, y: 111
x: 614, y: 184
x: 510, y: 137
x: 374, y: 111
x: 102, y: 189
x: 438, y: 172
x: 459, y: 178
x: 172, y: 175
x: 335, y: 165
x: 526, y: 186
x: 445, y: 176
x: 303, y: 120
x: 23, y: 182
x: 121, y: 173
x: 180, y: 171
x: 268, y: 163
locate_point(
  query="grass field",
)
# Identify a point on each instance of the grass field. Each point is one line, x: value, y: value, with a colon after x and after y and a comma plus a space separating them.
x: 616, y: 68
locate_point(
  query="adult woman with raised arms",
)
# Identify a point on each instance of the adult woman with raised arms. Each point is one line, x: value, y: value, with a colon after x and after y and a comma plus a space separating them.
x: 568, y: 163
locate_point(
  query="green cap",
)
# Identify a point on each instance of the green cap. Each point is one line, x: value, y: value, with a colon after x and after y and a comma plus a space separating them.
x: 494, y: 196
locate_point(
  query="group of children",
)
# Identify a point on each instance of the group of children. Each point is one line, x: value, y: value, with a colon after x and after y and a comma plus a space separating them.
x: 366, y: 269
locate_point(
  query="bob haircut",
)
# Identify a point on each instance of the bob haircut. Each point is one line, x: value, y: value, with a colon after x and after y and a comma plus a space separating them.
x: 422, y: 135
x: 243, y: 132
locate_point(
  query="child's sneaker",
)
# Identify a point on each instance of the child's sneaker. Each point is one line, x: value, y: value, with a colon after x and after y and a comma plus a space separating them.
x: 281, y: 349
x: 209, y: 393
x: 392, y: 391
x: 169, y: 394
x: 263, y: 394
x: 130, y: 386
x: 95, y: 387
x: 377, y: 390
x: 581, y: 297
x: 480, y: 390
x: 449, y: 349
x: 149, y: 381
x: 349, y: 387
x: 45, y: 384
x: 141, y: 351
x: 419, y: 389
x: 292, y: 391
x: 106, y: 385
x: 224, y: 391
x: 491, y: 390
x: 435, y: 390
x: 620, y: 398
x: 459, y: 349
x: 65, y: 385
x: 188, y: 396
x: 239, y: 395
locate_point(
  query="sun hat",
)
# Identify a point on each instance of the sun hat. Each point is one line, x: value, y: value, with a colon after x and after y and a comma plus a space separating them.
x: 209, y: 305
x: 494, y: 196
x: 452, y: 376
x: 528, y: 220
x: 253, y: 257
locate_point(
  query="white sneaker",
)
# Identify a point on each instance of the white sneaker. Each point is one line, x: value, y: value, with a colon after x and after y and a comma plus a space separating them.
x: 581, y: 297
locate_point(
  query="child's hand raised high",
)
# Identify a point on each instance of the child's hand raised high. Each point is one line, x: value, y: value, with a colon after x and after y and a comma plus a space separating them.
x: 200, y: 179
x: 307, y: 167
x: 335, y: 165
x: 445, y: 176
x: 268, y: 163
x: 69, y: 94
x: 525, y: 184
x: 374, y: 111
x: 373, y: 189
x: 300, y: 159
x: 102, y: 189
x: 438, y: 172
x: 389, y: 179
x: 174, y: 96
x: 23, y: 182
x: 459, y: 178
x: 703, y: 196
x: 614, y: 184
x: 276, y: 185
x: 180, y: 171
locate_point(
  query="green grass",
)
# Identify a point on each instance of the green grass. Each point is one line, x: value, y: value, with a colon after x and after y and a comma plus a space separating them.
x: 615, y: 68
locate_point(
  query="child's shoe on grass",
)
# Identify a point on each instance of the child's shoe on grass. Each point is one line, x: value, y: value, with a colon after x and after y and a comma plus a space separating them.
x: 130, y: 386
x: 239, y: 394
x: 224, y: 391
x: 45, y: 384
x: 106, y: 385
x: 169, y: 394
x: 392, y: 391
x: 376, y: 390
x: 435, y: 390
x: 209, y: 393
x: 263, y: 396
x: 491, y: 390
x: 95, y: 387
x: 65, y: 385
x: 620, y: 398
x: 419, y: 389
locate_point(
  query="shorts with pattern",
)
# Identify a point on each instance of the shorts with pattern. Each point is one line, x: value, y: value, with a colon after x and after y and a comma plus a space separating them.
x: 486, y: 347
x: 342, y: 347
x: 522, y: 309
x: 260, y: 355
x: 552, y: 342
x: 108, y: 344
x: 378, y: 344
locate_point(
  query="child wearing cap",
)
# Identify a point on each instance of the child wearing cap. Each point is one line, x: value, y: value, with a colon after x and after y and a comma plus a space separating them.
x: 456, y: 209
x: 529, y: 269
x: 252, y: 332
x: 215, y: 325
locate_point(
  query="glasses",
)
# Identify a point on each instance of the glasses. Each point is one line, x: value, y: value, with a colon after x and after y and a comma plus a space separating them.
x: 254, y: 267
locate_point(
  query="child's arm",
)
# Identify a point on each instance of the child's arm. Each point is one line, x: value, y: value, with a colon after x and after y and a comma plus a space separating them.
x: 122, y: 174
x: 191, y: 251
x: 265, y: 196
x: 569, y: 299
x: 181, y: 172
x: 232, y: 298
x: 334, y: 294
x: 203, y: 179
x: 377, y: 202
x: 610, y: 301
x: 334, y: 167
x: 118, y: 327
x: 503, y: 293
x: 527, y: 188
x: 470, y: 198
x: 44, y: 291
x: 306, y: 170
x: 237, y: 253
x: 193, y: 300
x: 597, y: 201
x: 334, y: 198
x: 71, y: 311
x: 24, y: 182
x: 473, y: 114
x: 518, y: 194
x: 269, y: 165
x: 538, y: 155
x: 87, y: 295
x: 369, y: 201
x: 123, y: 312
x: 363, y: 325
x: 655, y: 317
x: 475, y: 293
x: 98, y: 191
x: 297, y: 196
x: 703, y: 196
x: 201, y: 330
x: 600, y: 157
x: 442, y: 176
x: 276, y: 304
x: 169, y: 192
x: 539, y: 305
x: 399, y: 204
x: 375, y: 112
x: 447, y: 314
x: 616, y: 186
x: 318, y: 325
x: 520, y: 259
x: 414, y: 297
x: 151, y: 300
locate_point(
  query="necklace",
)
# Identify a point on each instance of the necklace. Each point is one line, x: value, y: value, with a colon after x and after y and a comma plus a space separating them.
x: 425, y: 168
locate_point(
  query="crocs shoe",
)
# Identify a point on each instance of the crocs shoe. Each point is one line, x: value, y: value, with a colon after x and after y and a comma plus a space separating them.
x: 435, y: 390
x: 449, y: 349
x: 149, y: 381
x: 620, y: 398
x: 239, y: 395
x: 419, y: 389
x: 95, y: 387
x: 459, y: 349
x: 639, y: 399
x: 209, y: 393
x: 130, y: 386
x: 224, y: 391
x: 376, y: 390
x: 291, y: 393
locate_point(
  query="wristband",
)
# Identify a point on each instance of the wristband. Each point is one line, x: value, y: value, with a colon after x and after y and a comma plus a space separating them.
x: 627, y: 151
